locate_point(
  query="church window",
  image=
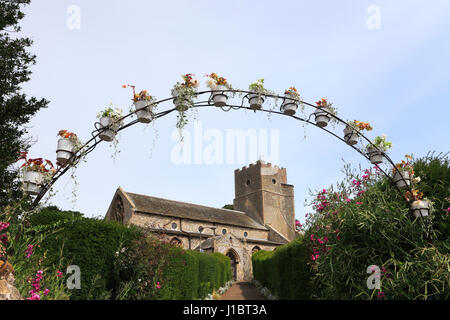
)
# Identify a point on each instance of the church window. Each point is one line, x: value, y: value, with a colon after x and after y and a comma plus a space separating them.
x: 248, y: 182
x: 274, y: 181
x: 174, y: 225
x: 245, y: 234
x: 224, y: 231
x: 200, y: 229
x: 255, y: 249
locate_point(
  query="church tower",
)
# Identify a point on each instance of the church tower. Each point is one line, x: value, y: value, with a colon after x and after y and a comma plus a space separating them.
x: 262, y: 192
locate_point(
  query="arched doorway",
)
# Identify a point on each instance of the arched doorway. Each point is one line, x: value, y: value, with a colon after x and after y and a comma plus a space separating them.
x: 234, y: 260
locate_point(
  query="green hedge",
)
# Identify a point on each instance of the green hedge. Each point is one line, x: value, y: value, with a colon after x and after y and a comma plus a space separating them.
x: 191, y: 275
x: 88, y: 243
x: 95, y: 245
x: 285, y: 271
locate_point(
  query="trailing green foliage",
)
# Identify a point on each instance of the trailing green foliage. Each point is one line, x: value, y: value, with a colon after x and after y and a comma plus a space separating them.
x: 285, y: 271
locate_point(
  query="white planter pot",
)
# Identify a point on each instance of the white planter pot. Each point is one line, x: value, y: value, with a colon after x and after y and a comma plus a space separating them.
x: 350, y: 136
x: 106, y: 134
x: 180, y: 104
x: 64, y: 151
x: 375, y: 155
x: 143, y: 114
x: 255, y: 101
x: 219, y: 98
x: 420, y: 208
x: 322, y: 118
x: 289, y: 105
x: 402, y: 179
x: 32, y: 182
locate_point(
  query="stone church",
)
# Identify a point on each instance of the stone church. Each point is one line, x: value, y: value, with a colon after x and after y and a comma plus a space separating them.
x: 263, y: 217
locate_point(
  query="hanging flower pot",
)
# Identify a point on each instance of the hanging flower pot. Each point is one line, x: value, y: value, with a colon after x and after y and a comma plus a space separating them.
x: 350, y: 136
x: 219, y: 98
x: 181, y: 103
x: 420, y: 208
x: 65, y: 151
x: 110, y: 122
x: 32, y: 182
x: 290, y: 101
x: 106, y: 134
x: 256, y: 101
x: 375, y: 155
x: 289, y: 105
x: 143, y: 113
x: 402, y: 178
x: 215, y: 82
x: 321, y: 117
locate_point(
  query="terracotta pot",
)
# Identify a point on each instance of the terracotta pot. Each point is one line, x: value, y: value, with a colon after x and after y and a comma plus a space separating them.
x: 375, y: 155
x: 350, y: 136
x: 64, y: 151
x: 322, y: 118
x: 420, y: 208
x: 255, y: 101
x: 219, y: 98
x: 32, y: 182
x: 143, y: 114
x: 289, y: 105
x: 106, y: 134
x: 402, y: 179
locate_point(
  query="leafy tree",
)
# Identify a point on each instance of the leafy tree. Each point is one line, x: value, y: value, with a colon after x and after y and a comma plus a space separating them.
x: 16, y: 109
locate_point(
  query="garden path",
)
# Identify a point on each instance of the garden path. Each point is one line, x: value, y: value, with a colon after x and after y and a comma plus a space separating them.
x: 242, y: 291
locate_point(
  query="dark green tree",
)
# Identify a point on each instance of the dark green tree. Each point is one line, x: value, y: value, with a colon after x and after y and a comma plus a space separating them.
x: 16, y: 109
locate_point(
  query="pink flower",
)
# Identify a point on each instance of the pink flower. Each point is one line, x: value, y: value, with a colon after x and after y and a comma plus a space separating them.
x: 359, y: 203
x: 158, y: 285
x: 59, y: 274
x: 380, y: 295
x: 4, y: 225
x: 348, y: 200
x: 447, y: 210
x: 314, y: 257
x: 29, y: 251
x: 325, y: 239
x: 46, y: 291
x: 311, y: 237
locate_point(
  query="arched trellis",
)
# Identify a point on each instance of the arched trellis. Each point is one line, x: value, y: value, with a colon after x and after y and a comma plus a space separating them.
x: 90, y: 145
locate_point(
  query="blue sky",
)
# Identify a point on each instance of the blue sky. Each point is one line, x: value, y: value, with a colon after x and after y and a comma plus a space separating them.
x: 396, y: 77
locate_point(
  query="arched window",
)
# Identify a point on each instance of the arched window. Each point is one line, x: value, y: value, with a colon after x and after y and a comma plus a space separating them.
x: 176, y: 241
x: 255, y: 249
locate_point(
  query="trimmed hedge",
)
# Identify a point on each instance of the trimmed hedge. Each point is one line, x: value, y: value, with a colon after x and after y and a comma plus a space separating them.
x: 191, y: 275
x: 94, y: 245
x: 285, y: 271
x: 85, y: 242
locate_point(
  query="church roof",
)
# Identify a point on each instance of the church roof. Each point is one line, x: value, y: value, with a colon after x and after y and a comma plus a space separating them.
x: 148, y: 204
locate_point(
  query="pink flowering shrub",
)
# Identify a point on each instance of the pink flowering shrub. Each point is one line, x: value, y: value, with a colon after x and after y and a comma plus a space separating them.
x: 19, y: 244
x: 364, y: 221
